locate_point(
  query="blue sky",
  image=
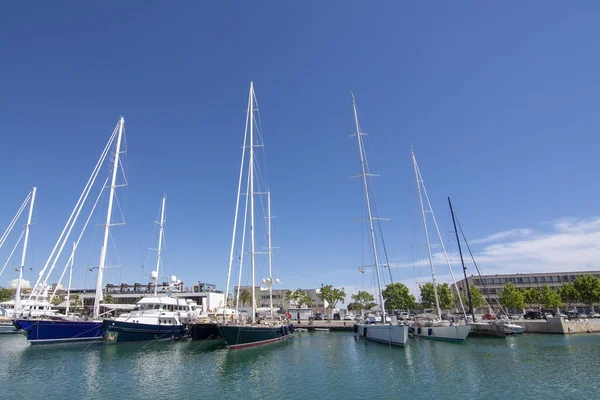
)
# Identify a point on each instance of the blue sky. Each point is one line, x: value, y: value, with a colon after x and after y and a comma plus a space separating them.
x: 499, y: 102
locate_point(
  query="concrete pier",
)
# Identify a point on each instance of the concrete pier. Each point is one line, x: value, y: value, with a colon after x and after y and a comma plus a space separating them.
x: 332, y: 325
x: 560, y: 326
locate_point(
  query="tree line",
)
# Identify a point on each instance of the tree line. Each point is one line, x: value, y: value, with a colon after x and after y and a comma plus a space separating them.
x: 585, y: 289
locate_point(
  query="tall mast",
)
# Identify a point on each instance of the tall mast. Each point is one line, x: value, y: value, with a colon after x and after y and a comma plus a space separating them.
x: 160, y: 239
x: 471, y: 311
x: 419, y: 182
x: 27, y: 227
x: 113, y: 186
x: 237, y: 209
x: 369, y: 213
x: 251, y: 194
x: 270, y: 252
x: 70, y: 277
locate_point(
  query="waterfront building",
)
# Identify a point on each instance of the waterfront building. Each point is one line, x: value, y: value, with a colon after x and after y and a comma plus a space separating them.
x: 204, y: 294
x: 491, y: 285
x: 279, y: 298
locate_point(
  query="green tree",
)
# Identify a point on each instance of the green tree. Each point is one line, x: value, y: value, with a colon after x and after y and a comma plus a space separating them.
x: 568, y: 294
x: 332, y: 295
x: 5, y: 294
x: 354, y: 307
x: 300, y: 297
x: 289, y: 296
x: 398, y: 297
x: 108, y: 299
x: 245, y: 297
x: 444, y: 295
x: 56, y: 300
x: 364, y: 299
x: 511, y: 298
x: 476, y: 298
x: 531, y: 296
x: 427, y: 295
x: 549, y: 298
x: 588, y: 287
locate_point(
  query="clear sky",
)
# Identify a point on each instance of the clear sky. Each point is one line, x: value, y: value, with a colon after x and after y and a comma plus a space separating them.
x: 499, y: 101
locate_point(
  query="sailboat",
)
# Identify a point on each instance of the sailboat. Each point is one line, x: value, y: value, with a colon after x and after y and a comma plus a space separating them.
x: 155, y: 317
x: 435, y: 329
x: 19, y: 305
x: 240, y: 333
x: 499, y: 328
x: 378, y: 331
x: 65, y: 329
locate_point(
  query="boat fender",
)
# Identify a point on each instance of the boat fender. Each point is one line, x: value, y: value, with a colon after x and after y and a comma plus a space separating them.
x: 292, y: 328
x: 429, y: 331
x: 355, y: 328
x: 419, y: 330
x: 285, y: 330
x: 282, y: 331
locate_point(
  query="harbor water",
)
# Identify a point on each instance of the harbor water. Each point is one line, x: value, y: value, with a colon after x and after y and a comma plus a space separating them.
x: 310, y: 365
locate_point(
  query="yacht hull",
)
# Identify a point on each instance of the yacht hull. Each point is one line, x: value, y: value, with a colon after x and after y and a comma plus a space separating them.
x: 44, y: 331
x: 242, y: 336
x: 122, y: 331
x: 204, y: 331
x: 486, y: 329
x: 395, y: 335
x: 456, y: 333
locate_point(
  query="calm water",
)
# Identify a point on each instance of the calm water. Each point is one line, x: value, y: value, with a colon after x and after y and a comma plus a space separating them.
x: 317, y: 365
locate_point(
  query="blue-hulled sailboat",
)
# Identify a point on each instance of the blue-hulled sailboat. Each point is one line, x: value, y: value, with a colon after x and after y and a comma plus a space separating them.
x: 65, y: 329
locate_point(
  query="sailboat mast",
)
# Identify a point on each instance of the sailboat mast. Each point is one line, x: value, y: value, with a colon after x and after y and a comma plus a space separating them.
x: 113, y: 186
x: 237, y: 209
x: 160, y: 240
x: 70, y: 278
x: 26, y: 240
x: 471, y: 311
x: 251, y: 194
x: 270, y: 252
x: 368, y: 201
x: 419, y: 182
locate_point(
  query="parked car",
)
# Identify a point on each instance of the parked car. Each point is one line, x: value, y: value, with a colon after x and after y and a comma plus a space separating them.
x: 561, y: 315
x: 327, y: 317
x: 336, y: 316
x: 582, y: 315
x: 533, y: 315
x: 595, y: 315
x: 348, y: 317
x: 318, y: 317
x: 403, y: 315
x: 489, y: 316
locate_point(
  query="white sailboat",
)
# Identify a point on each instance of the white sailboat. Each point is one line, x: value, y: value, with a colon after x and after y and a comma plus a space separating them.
x: 380, y: 331
x: 18, y: 306
x: 436, y: 329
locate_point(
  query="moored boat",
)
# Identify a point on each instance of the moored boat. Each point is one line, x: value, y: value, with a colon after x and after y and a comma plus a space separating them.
x: 155, y: 318
x: 380, y: 331
x: 252, y: 331
x: 58, y: 330
x: 239, y: 336
x: 66, y: 329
